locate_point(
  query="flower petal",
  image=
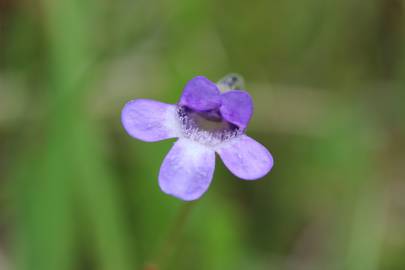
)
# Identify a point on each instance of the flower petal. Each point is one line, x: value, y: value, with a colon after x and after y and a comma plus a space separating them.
x: 237, y: 107
x: 150, y: 120
x: 246, y: 158
x: 187, y: 170
x: 201, y: 94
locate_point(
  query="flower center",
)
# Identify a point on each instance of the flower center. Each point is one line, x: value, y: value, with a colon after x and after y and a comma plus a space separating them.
x: 206, y: 127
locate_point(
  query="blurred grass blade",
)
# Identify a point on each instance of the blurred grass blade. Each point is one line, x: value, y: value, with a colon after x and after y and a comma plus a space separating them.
x: 70, y: 165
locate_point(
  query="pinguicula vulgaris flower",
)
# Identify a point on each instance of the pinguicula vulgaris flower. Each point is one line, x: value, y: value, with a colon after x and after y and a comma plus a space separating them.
x: 206, y: 122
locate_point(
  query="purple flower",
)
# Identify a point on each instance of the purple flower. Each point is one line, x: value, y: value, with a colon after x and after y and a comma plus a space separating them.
x: 205, y: 121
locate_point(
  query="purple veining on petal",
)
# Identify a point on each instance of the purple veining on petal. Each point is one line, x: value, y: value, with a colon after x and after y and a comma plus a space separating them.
x: 246, y: 158
x: 200, y: 94
x: 237, y: 107
x: 149, y: 120
x: 187, y: 170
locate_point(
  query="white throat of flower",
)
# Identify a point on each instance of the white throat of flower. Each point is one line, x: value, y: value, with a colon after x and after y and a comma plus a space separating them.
x: 187, y: 128
x: 191, y: 129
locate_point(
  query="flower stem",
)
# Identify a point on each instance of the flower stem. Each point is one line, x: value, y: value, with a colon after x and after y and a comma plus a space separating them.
x: 172, y: 238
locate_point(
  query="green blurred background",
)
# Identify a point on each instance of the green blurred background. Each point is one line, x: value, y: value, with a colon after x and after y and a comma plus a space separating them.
x: 327, y: 78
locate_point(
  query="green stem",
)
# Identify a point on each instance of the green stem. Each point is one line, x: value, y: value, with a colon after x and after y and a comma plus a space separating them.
x: 172, y: 238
